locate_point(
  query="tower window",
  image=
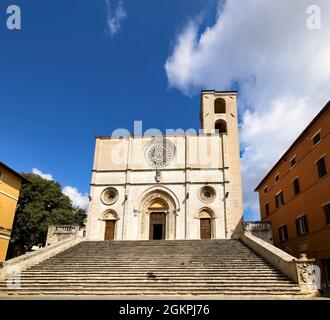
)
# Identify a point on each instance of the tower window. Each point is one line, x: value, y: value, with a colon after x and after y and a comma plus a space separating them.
x: 219, y: 106
x: 221, y: 126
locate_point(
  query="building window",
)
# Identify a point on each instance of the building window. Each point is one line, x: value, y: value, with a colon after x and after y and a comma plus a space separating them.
x: 283, y: 232
x: 293, y: 162
x: 265, y: 189
x: 267, y: 209
x: 327, y: 213
x: 296, y: 186
x: 321, y: 167
x: 277, y: 178
x: 219, y: 106
x: 302, y: 225
x: 279, y: 200
x: 317, y: 138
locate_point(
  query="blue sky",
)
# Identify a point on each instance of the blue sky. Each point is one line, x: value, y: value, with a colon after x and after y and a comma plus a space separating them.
x: 65, y: 78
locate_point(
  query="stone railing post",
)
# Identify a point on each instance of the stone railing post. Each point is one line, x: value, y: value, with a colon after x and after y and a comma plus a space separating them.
x: 306, y: 271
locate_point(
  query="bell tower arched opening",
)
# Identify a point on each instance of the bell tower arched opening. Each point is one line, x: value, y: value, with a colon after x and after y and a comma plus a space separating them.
x: 219, y: 106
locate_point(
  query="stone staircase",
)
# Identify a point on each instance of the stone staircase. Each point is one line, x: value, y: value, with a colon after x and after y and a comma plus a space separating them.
x: 154, y: 268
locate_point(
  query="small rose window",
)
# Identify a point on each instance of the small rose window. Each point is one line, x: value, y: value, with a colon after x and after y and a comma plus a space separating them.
x: 207, y: 194
x: 109, y: 196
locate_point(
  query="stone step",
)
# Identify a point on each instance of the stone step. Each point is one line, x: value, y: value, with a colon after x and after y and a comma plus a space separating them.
x: 155, y: 291
x: 145, y: 278
x: 160, y: 286
x: 133, y: 294
x: 140, y: 285
x: 130, y: 268
x: 194, y: 274
x: 157, y: 262
x: 158, y: 271
x: 152, y: 269
x: 141, y: 265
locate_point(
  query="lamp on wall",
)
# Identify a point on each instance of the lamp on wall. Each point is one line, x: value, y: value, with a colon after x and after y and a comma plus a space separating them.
x: 187, y: 195
x: 227, y: 194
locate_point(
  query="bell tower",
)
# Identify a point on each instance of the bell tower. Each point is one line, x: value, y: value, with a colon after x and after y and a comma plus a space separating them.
x: 219, y: 116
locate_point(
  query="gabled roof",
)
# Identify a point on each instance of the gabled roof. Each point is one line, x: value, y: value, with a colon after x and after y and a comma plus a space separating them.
x: 24, y: 180
x: 318, y: 116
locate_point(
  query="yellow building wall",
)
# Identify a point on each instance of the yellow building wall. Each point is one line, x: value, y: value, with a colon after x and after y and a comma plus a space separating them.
x: 9, y: 192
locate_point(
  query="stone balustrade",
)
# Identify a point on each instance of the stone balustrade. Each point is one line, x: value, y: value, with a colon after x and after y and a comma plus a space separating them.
x: 260, y: 229
x: 58, y: 233
x: 16, y: 265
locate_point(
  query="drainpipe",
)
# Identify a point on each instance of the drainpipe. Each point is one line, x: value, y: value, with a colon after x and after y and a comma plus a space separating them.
x: 224, y: 184
x: 185, y: 193
x: 126, y: 180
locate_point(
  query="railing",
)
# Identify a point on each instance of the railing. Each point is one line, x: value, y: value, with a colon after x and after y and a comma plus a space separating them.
x: 257, y: 226
x: 65, y: 228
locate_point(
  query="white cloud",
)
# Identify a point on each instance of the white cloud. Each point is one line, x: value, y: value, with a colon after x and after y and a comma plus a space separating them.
x: 282, y: 67
x: 78, y: 199
x: 115, y: 15
x: 46, y: 176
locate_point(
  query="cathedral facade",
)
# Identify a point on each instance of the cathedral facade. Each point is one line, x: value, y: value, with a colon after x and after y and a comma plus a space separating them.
x: 179, y: 186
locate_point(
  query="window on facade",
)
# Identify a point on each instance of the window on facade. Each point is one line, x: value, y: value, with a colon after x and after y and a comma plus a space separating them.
x: 321, y: 167
x: 283, y: 232
x: 279, y: 200
x: 327, y: 212
x: 267, y: 209
x: 296, y: 186
x: 219, y: 106
x: 316, y: 138
x: 302, y: 225
x: 265, y: 189
x: 277, y: 178
x: 293, y: 162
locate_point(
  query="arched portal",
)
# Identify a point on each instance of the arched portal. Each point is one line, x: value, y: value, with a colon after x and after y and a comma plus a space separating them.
x: 157, y: 215
x: 157, y: 225
x: 109, y: 217
x: 206, y: 217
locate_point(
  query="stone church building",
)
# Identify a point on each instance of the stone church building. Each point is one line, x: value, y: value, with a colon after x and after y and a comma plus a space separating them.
x: 179, y: 186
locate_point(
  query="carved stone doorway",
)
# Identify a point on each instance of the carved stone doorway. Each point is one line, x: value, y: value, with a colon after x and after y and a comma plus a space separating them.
x: 157, y: 226
x: 109, y: 233
x: 205, y: 225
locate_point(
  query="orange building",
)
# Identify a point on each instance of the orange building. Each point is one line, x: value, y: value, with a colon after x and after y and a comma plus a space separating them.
x: 295, y: 195
x: 10, y: 185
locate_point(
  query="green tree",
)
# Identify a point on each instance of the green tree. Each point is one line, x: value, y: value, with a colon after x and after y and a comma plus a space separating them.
x: 41, y: 203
